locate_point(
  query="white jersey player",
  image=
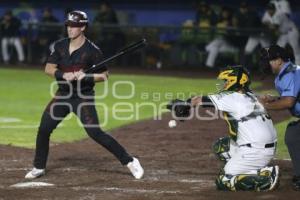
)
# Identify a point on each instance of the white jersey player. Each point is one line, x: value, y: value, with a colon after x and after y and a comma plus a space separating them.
x: 252, y: 142
x: 243, y: 112
x: 282, y: 6
x: 286, y: 28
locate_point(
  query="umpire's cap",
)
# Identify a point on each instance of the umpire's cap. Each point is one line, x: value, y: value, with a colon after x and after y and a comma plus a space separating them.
x: 77, y: 18
x: 274, y: 52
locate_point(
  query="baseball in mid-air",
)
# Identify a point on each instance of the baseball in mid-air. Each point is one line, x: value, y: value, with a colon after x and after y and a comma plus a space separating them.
x: 172, y: 123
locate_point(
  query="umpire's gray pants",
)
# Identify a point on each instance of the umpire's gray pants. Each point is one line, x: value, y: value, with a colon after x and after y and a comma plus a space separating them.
x: 292, y: 140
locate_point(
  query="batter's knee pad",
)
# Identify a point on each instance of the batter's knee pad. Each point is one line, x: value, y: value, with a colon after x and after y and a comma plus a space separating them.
x: 243, y: 182
x: 221, y: 148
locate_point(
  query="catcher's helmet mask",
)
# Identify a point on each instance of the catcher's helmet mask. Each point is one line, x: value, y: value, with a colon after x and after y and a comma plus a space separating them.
x: 77, y: 18
x: 234, y: 78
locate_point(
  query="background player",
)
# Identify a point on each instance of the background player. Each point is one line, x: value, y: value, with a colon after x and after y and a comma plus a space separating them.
x: 66, y: 63
x: 252, y: 141
x: 285, y: 28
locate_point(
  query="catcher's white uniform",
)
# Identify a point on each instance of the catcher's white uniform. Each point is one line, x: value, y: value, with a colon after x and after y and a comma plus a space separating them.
x: 251, y: 130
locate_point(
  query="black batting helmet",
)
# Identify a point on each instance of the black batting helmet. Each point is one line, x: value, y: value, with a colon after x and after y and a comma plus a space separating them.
x: 77, y: 18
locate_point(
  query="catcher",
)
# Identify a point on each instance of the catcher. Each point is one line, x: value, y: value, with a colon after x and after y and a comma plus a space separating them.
x: 252, y: 138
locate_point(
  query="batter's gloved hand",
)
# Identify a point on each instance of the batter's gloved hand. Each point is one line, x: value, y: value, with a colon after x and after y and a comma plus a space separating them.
x: 182, y: 109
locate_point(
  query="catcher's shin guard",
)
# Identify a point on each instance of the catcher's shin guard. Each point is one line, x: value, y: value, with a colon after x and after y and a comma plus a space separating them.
x: 266, y: 179
x: 221, y: 148
x: 225, y: 183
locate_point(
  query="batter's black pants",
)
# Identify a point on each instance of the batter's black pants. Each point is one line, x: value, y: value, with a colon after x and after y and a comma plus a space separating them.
x: 56, y: 111
x: 292, y: 140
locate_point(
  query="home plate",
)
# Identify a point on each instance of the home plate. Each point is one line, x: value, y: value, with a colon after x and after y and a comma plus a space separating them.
x: 32, y: 185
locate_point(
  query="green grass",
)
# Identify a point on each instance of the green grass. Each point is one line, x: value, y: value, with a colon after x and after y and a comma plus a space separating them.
x: 282, y: 151
x: 25, y: 93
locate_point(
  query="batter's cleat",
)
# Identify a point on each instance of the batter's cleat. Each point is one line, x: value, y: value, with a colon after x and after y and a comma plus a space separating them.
x: 35, y: 173
x: 274, y: 178
x: 135, y: 168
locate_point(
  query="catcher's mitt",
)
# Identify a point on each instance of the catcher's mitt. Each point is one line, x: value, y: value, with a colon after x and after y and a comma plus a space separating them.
x: 180, y: 108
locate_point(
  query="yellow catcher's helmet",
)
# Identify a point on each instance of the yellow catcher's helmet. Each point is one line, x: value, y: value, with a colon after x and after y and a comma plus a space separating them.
x: 235, y: 78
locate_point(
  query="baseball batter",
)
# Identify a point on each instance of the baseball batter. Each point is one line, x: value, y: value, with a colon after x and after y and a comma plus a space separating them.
x: 66, y: 63
x: 252, y: 137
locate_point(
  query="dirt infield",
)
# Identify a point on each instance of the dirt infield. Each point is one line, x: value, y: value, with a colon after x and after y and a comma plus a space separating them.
x: 178, y: 165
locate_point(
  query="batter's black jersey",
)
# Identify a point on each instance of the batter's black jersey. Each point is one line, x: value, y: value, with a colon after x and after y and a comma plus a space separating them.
x: 84, y: 57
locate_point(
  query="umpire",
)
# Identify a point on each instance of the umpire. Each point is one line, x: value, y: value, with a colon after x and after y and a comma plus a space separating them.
x: 67, y: 61
x: 287, y: 84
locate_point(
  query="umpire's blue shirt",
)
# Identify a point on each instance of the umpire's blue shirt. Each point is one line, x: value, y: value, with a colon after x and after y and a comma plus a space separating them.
x: 287, y: 84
